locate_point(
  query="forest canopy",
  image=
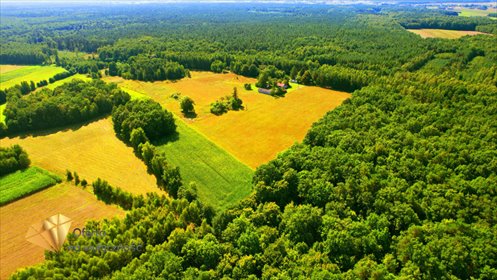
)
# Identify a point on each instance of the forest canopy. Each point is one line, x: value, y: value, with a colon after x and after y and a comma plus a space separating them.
x: 399, y: 182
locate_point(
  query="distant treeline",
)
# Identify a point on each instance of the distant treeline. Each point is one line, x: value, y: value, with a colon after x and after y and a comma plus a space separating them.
x: 434, y: 20
x: 24, y: 54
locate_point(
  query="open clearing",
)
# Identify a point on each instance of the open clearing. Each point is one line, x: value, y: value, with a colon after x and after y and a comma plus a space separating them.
x: 443, y: 33
x: 29, y: 73
x: 254, y: 135
x: 92, y: 150
x: 221, y: 179
x: 4, y: 68
x: 18, y: 216
x: 23, y: 182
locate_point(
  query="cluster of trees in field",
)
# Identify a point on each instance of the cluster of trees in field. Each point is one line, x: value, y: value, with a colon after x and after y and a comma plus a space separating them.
x: 70, y: 103
x: 13, y: 158
x: 226, y: 103
x: 187, y: 106
x: 139, y: 122
x: 146, y: 116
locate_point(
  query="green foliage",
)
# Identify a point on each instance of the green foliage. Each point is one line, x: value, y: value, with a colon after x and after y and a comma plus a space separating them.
x: 12, y: 159
x: 217, y: 66
x: 227, y: 103
x: 218, y: 108
x: 145, y: 114
x: 25, y: 182
x: 69, y: 176
x: 138, y: 137
x: 146, y: 68
x: 103, y: 191
x: 73, y: 102
x: 186, y: 105
x: 398, y: 182
x: 23, y: 53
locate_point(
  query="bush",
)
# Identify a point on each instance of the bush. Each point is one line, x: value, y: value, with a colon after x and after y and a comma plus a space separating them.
x: 12, y: 159
x: 148, y: 115
x: 218, y: 108
x: 186, y: 105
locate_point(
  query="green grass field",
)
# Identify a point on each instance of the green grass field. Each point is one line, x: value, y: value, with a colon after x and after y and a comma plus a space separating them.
x: 68, y: 79
x: 36, y: 74
x: 221, y: 179
x: 26, y: 70
x: 24, y: 182
x: 2, y: 117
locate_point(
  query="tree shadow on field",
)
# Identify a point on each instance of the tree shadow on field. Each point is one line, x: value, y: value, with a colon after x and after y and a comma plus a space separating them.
x: 64, y: 128
x: 190, y: 115
x: 167, y: 139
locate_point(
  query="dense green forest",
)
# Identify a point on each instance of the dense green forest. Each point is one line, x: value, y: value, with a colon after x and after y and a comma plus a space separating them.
x: 399, y: 182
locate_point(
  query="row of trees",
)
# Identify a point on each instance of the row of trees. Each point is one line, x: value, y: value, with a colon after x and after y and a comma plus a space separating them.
x: 141, y: 121
x: 13, y: 158
x: 110, y: 195
x: 26, y: 87
x: 70, y: 103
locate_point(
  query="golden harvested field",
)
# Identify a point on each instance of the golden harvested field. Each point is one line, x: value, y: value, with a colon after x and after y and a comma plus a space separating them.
x: 4, y: 68
x: 255, y: 135
x: 443, y: 33
x: 18, y: 216
x: 93, y: 151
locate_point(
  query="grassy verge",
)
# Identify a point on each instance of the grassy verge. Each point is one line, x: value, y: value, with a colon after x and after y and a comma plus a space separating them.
x: 24, y: 182
x: 221, y: 179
